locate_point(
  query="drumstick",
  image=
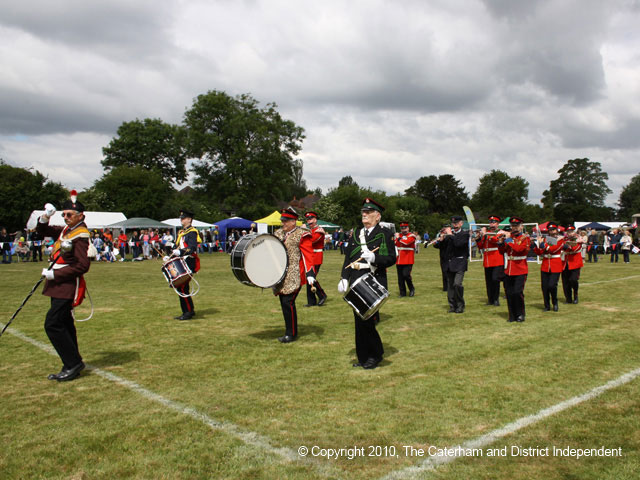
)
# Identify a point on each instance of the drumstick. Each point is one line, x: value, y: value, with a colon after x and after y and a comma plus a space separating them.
x: 357, y: 260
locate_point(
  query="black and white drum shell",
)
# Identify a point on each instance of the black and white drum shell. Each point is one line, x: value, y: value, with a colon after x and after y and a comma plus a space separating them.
x: 259, y: 260
x: 366, y: 296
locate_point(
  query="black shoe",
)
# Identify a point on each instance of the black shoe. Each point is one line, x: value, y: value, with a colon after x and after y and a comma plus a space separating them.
x: 322, y: 300
x: 496, y: 303
x: 459, y: 310
x: 54, y: 376
x: 575, y: 300
x: 452, y: 310
x: 555, y: 307
x: 547, y: 308
x: 357, y: 364
x: 370, y: 364
x: 520, y: 318
x: 186, y: 316
x: 568, y: 300
x: 309, y: 305
x: 412, y: 292
x: 287, y: 339
x: 403, y: 294
x: 511, y: 319
x: 68, y: 374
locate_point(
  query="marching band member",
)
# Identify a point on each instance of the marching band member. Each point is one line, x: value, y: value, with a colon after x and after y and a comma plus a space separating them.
x: 186, y: 245
x: 65, y: 282
x: 492, y: 260
x: 516, y: 246
x: 297, y: 241
x: 455, y: 243
x: 317, y: 242
x: 406, y: 245
x: 573, y: 262
x: 370, y: 237
x: 551, y: 267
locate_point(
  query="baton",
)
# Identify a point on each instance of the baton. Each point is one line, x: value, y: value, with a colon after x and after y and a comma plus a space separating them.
x: 29, y: 296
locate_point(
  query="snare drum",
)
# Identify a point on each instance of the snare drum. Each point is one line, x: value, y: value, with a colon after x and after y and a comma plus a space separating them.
x: 366, y: 296
x: 259, y: 260
x: 176, y: 272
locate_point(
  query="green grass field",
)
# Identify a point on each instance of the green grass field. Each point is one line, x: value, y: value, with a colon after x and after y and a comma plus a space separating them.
x: 220, y: 397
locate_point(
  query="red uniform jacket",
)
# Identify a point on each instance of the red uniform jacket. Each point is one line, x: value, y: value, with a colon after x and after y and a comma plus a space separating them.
x: 70, y: 266
x: 516, y: 255
x: 573, y: 256
x: 551, y: 257
x: 317, y: 242
x: 406, y: 245
x: 492, y: 257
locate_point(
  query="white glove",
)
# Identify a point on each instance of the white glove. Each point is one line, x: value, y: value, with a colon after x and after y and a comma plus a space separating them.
x: 368, y: 256
x: 49, y: 210
x: 311, y: 280
x: 48, y: 274
x: 343, y: 286
x: 166, y: 258
x: 176, y: 252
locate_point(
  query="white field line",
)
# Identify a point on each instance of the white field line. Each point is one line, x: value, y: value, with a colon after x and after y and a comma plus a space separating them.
x: 250, y: 438
x: 609, y: 281
x: 430, y: 464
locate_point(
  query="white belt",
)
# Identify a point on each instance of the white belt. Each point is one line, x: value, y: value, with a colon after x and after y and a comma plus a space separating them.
x: 547, y: 255
x: 318, y: 250
x: 405, y: 248
x: 509, y: 257
x: 58, y: 266
x: 491, y: 249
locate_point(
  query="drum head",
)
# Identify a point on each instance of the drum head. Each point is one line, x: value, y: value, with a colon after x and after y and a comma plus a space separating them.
x: 265, y: 261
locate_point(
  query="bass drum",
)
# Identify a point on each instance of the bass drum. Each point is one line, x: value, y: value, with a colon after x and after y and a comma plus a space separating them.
x: 259, y: 260
x: 366, y: 296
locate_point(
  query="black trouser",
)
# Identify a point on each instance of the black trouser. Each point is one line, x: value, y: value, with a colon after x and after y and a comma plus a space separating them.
x: 455, y: 290
x: 311, y: 296
x: 37, y: 252
x: 570, y: 283
x: 614, y: 253
x: 404, y: 278
x: 368, y: 342
x: 443, y: 267
x: 61, y: 330
x: 186, y: 303
x: 493, y: 276
x: 514, y: 287
x: 288, y: 304
x: 592, y: 251
x: 549, y: 283
x: 625, y: 254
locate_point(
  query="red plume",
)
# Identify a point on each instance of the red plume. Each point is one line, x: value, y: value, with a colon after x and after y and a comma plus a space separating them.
x: 74, y: 195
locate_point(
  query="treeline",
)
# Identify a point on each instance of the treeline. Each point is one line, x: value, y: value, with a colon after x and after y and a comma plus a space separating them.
x: 240, y: 159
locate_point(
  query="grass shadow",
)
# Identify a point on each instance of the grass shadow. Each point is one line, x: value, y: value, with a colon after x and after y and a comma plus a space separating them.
x: 108, y: 359
x: 275, y: 332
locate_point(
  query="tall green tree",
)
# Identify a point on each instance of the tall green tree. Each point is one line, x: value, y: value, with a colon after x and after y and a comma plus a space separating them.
x: 629, y: 201
x: 151, y: 144
x: 444, y: 193
x: 578, y: 193
x: 245, y: 153
x: 24, y: 190
x: 500, y: 194
x: 134, y: 191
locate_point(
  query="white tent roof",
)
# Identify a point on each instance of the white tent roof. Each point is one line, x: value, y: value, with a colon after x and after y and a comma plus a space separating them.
x: 195, y: 223
x: 92, y: 219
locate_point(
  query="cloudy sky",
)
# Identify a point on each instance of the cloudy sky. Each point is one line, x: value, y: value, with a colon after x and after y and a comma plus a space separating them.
x: 387, y: 91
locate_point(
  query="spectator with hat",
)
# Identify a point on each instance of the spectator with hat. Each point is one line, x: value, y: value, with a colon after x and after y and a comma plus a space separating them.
x: 406, y: 246
x: 515, y: 244
x: 572, y: 250
x: 300, y: 271
x: 550, y: 248
x: 317, y: 243
x: 360, y: 252
x: 492, y: 259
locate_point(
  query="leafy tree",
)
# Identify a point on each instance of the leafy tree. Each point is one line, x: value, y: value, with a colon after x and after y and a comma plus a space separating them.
x: 500, y: 194
x: 629, y: 201
x: 245, y: 153
x: 22, y: 191
x: 151, y: 144
x: 134, y: 191
x: 444, y: 193
x: 579, y: 192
